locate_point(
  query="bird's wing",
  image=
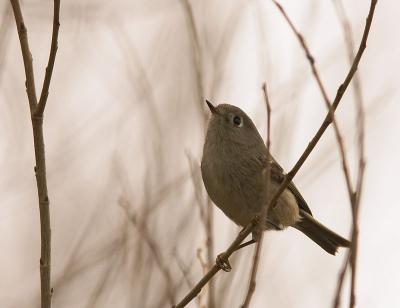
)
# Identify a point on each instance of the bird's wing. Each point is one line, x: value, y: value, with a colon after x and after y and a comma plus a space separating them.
x: 277, y: 175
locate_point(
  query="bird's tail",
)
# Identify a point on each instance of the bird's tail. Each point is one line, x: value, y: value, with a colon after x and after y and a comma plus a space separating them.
x: 325, y: 238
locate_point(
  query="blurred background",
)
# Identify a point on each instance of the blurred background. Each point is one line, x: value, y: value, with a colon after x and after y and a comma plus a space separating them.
x: 124, y: 129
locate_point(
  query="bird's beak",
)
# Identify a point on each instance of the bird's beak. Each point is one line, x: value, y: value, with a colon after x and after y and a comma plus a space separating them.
x: 211, y: 106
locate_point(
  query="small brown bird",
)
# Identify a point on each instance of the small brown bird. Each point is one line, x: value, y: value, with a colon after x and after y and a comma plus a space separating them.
x: 234, y: 174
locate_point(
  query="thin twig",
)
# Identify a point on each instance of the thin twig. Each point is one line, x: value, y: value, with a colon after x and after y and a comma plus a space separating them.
x: 327, y: 121
x: 154, y: 249
x: 361, y: 162
x: 257, y: 251
x: 252, y: 283
x: 196, y: 48
x: 339, y: 138
x: 197, y: 187
x: 36, y: 111
x: 339, y: 286
x: 52, y: 57
x: 204, y: 267
x: 198, y: 65
x: 210, y: 249
x: 327, y: 101
x: 215, y: 269
x: 5, y: 30
x: 183, y: 268
x: 185, y: 273
x: 26, y: 55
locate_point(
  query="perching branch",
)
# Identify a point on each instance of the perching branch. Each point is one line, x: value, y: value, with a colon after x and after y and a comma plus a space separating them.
x: 215, y: 268
x: 289, y: 177
x: 36, y: 110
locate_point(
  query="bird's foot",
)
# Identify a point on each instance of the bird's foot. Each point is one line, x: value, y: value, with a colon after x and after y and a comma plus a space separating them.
x: 223, y: 262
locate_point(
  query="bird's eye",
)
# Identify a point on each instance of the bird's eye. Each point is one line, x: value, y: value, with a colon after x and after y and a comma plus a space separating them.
x: 237, y: 121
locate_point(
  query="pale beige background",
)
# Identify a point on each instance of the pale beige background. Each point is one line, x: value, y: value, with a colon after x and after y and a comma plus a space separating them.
x: 123, y: 116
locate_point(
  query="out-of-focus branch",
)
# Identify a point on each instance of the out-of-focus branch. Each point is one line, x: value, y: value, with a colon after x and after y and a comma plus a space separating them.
x: 185, y: 269
x: 198, y: 64
x: 257, y: 251
x: 327, y: 121
x: 36, y: 110
x: 154, y: 249
x: 361, y: 162
x: 342, y: 273
x: 196, y: 186
x: 5, y: 30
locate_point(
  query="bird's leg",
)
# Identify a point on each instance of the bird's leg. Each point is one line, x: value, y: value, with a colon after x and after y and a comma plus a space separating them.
x: 223, y: 262
x: 255, y: 237
x: 252, y: 241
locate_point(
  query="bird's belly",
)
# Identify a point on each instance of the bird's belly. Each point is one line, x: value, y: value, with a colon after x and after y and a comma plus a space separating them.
x: 286, y: 212
x: 242, y: 201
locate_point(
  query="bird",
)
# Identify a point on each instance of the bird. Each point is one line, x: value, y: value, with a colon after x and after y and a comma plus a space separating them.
x: 234, y: 169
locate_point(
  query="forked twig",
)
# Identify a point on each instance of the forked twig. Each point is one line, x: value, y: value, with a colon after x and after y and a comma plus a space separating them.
x: 36, y: 110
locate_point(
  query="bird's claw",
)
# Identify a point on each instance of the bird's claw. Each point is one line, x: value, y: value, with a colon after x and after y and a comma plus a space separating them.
x: 223, y: 263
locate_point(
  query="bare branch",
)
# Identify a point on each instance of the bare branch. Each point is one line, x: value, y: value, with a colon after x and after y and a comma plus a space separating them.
x: 26, y: 55
x: 37, y: 127
x: 185, y: 273
x: 197, y: 188
x: 154, y: 249
x: 339, y: 286
x: 52, y: 57
x: 198, y: 63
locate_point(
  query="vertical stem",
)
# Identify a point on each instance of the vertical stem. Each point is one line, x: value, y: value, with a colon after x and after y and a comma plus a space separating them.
x: 37, y: 110
x: 45, y: 230
x: 210, y: 250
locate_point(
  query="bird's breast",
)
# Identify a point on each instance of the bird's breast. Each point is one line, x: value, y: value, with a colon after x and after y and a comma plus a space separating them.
x: 234, y: 184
